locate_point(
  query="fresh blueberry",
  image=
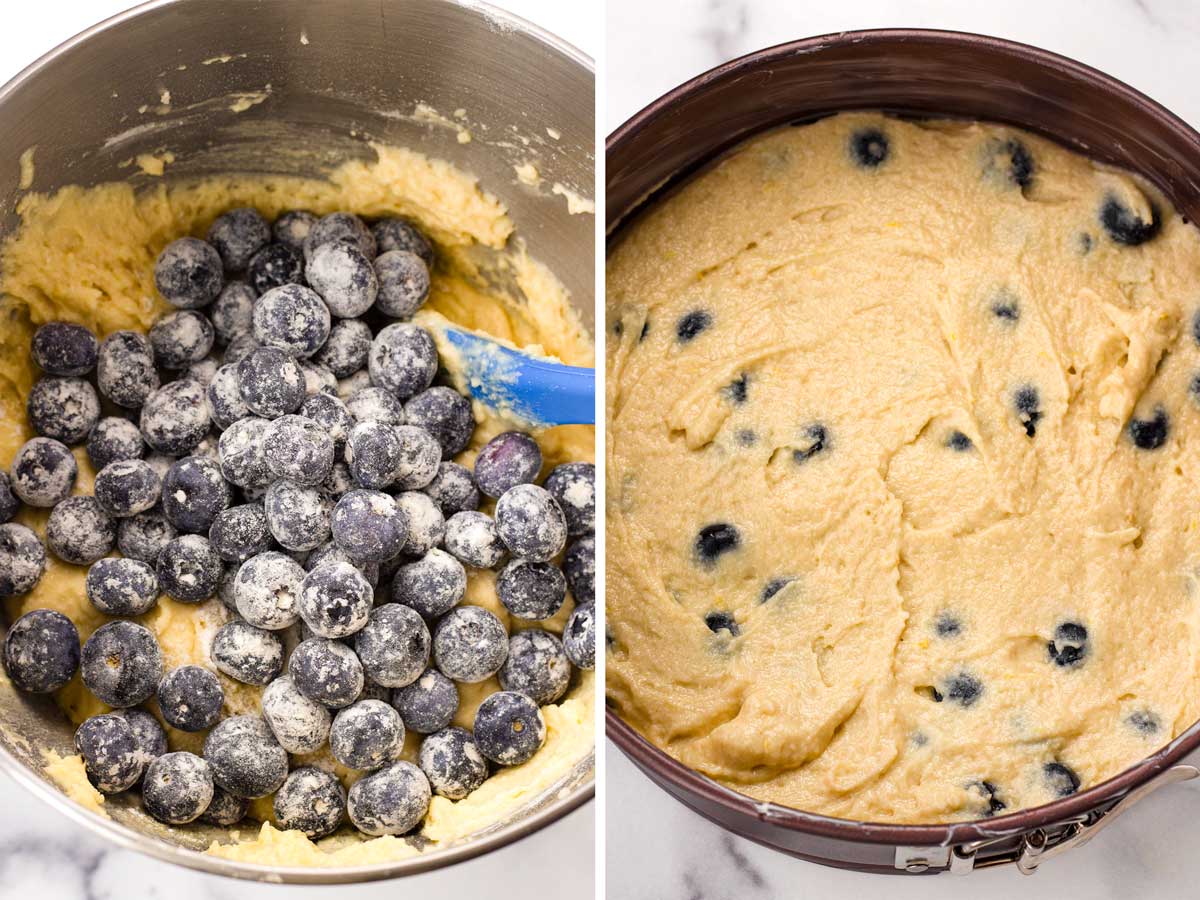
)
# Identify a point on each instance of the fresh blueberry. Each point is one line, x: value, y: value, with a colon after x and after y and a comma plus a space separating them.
x: 869, y: 148
x: 537, y: 666
x: 714, y: 541
x: 143, y: 536
x: 267, y: 590
x: 444, y: 413
x: 225, y: 809
x: 959, y: 442
x: 301, y: 725
x: 298, y: 516
x: 366, y: 735
x: 403, y: 359
x: 292, y: 227
x: 63, y: 348
x: 245, y: 758
x: 175, y: 419
x: 41, y: 651
x: 375, y: 404
x: 273, y: 266
x: 453, y: 489
x: 189, y: 569
x: 178, y: 787
x: 393, y: 800
x: 110, y: 753
x: 190, y: 698
x: 573, y: 485
x: 311, y: 801
x: 242, y: 454
x: 232, y: 314
x: 1060, y: 779
x: 117, y: 586
x: 1150, y: 434
x: 180, y: 339
x: 722, y: 621
x: 452, y: 762
x: 472, y: 539
x: 1027, y: 406
x: 432, y: 585
x: 79, y: 531
x: 1069, y: 646
x: 333, y: 418
x: 335, y: 600
x: 579, y: 636
x: 65, y: 409
x: 271, y: 382
x: 531, y: 590
x: 298, y: 449
x: 509, y: 728
x: 112, y: 440
x: 248, y: 654
x: 125, y: 371
x: 344, y: 277
x: 292, y: 318
x: 121, y: 663
x: 326, y: 671
x: 530, y: 523
x: 240, y: 532
x: 43, y: 472
x: 398, y: 234
x: 962, y: 688
x: 403, y: 279
x: 393, y: 646
x: 427, y: 704
x: 188, y: 273
x: 347, y: 347
x: 692, y: 324
x: 1125, y: 226
x: 369, y: 525
x: 194, y: 492
x: 579, y: 567
x: 469, y: 644
x: 339, y: 226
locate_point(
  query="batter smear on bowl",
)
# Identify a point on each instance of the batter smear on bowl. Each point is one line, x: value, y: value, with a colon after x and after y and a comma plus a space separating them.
x: 901, y: 462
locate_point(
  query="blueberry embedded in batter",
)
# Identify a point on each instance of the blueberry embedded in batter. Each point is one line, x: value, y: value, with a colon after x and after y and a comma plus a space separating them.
x: 1010, y: 161
x: 1144, y: 722
x: 959, y: 442
x: 1125, y: 226
x: 869, y: 148
x: 1060, y: 779
x: 814, y: 439
x: 1069, y: 646
x: 691, y: 325
x: 722, y: 621
x: 715, y: 541
x: 963, y: 688
x: 1026, y: 405
x: 1150, y: 434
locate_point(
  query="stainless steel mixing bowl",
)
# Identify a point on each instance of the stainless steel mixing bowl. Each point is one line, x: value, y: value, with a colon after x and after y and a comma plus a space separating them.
x: 316, y: 81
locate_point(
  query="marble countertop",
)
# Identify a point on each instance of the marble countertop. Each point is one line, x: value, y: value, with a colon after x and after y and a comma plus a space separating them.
x: 44, y: 854
x: 655, y: 847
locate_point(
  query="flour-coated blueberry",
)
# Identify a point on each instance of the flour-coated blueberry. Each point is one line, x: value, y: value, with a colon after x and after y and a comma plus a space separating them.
x: 531, y: 590
x: 311, y: 801
x: 240, y: 532
x: 472, y: 539
x: 344, y: 277
x: 419, y: 458
x: 143, y: 536
x: 127, y: 487
x: 242, y: 455
x: 275, y: 265
x: 347, y: 347
x: 10, y: 504
x: 537, y: 666
x: 110, y: 753
x: 293, y: 318
x: 298, y: 515
x: 247, y: 654
x: 64, y: 348
x: 113, y: 439
x: 373, y: 453
x: 177, y: 788
x: 393, y: 800
x: 432, y: 585
x: 292, y: 227
x: 445, y: 414
x: 79, y: 531
x: 453, y: 489
x: 579, y: 636
x: 125, y: 371
x: 403, y: 359
x: 298, y: 449
x: 224, y: 395
x: 188, y: 273
x: 65, y: 409
x: 174, y: 418
x: 245, y: 758
x: 119, y: 586
x: 339, y: 226
x: 452, y: 762
x: 330, y: 552
x: 403, y: 283
x: 375, y: 404
x: 530, y: 523
x: 335, y: 600
x: 573, y: 485
x: 333, y: 418
x: 301, y: 725
x: 41, y: 651
x: 369, y: 526
x: 225, y: 809
x: 237, y: 235
x: 469, y: 644
x: 399, y: 234
x: 271, y: 382
x: 427, y: 704
x: 426, y: 524
x: 232, y: 314
x: 326, y: 671
x: 189, y: 569
x: 194, y: 491
x: 267, y: 589
x: 508, y: 459
x: 190, y: 698
x: 148, y: 734
x: 366, y: 735
x: 121, y: 663
x: 180, y: 339
x: 43, y: 472
x: 393, y: 646
x: 509, y: 728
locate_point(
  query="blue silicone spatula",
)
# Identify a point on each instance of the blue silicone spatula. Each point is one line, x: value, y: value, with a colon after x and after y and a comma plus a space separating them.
x: 533, y: 389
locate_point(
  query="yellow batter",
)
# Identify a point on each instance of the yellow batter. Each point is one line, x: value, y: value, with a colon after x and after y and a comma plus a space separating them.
x: 826, y: 364
x: 87, y: 256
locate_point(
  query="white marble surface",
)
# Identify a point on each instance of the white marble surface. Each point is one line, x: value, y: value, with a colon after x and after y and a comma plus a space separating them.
x: 657, y: 848
x: 46, y: 856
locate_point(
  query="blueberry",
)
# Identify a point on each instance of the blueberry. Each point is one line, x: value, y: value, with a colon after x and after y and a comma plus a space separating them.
x: 530, y: 523
x: 292, y: 318
x: 738, y: 390
x: 472, y: 539
x: 144, y: 535
x: 225, y: 809
x: 125, y: 371
x: 245, y: 758
x: 22, y: 560
x: 298, y: 516
x: 349, y: 386
x: 962, y: 688
x: 298, y: 449
x: 43, y: 472
x: 537, y: 666
x: 1150, y: 434
x: 202, y: 370
x: 432, y: 585
x: 273, y: 266
x: 114, y: 439
x: 175, y: 419
x: 194, y: 492
x: 1010, y: 160
x: 1006, y: 307
x: 393, y: 646
x: 1027, y: 406
x: 242, y: 454
x: 232, y: 314
x: 267, y: 590
x: 398, y: 234
x: 335, y: 600
x: 376, y: 405
x: 1125, y: 226
x: 311, y: 801
x: 773, y: 587
x: 366, y: 735
x: 1060, y: 779
x: 403, y: 359
x: 403, y: 279
x: 959, y: 442
x: 117, y: 586
x: 426, y: 524
x: 1069, y: 646
x: 579, y: 636
x: 716, y: 540
x: 419, y: 458
x: 190, y: 698
x: 332, y: 417
x: 10, y: 505
x: 41, y: 651
x: 110, y: 753
x: 271, y: 382
x: 301, y: 725
x: 247, y: 654
x: 189, y: 569
x: 947, y: 625
x: 330, y: 552
x: 63, y: 348
x: 149, y: 736
x: 814, y: 440
x: 470, y: 644
x: 343, y: 276
x: 453, y: 489
x: 531, y: 590
x: 452, y: 762
x: 579, y: 567
x: 121, y: 663
x: 507, y: 460
x: 509, y: 728
x: 369, y: 525
x: 392, y: 800
x: 990, y: 802
x: 65, y: 409
x: 224, y: 394
x: 373, y: 453
x: 326, y: 671
x: 188, y: 273
x: 79, y: 531
x: 445, y: 414
x: 339, y: 226
x: 427, y: 704
x: 722, y: 621
x: 347, y: 347
x: 292, y: 227
x: 573, y: 485
x: 180, y: 339
x: 178, y: 787
x: 127, y: 487
x: 1144, y: 722
x: 692, y: 324
x: 240, y: 532
x: 869, y: 148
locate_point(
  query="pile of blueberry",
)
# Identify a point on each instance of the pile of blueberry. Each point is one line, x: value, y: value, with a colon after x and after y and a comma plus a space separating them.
x: 307, y: 480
